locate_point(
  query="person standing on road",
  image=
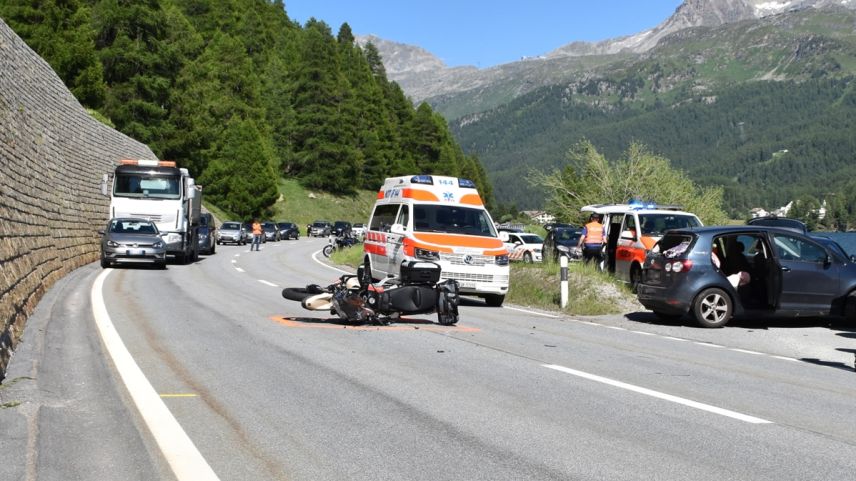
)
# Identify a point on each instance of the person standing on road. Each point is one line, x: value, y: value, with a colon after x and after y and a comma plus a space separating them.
x: 591, y: 240
x: 257, y: 235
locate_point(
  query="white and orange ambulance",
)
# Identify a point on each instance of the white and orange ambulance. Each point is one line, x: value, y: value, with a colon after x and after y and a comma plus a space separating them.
x: 631, y: 230
x: 442, y: 220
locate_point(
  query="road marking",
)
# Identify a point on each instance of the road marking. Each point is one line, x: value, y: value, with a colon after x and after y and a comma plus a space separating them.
x: 239, y: 269
x: 315, y: 258
x: 234, y: 261
x: 268, y: 283
x: 708, y: 344
x: 525, y: 311
x: 659, y: 395
x: 744, y: 351
x: 178, y: 449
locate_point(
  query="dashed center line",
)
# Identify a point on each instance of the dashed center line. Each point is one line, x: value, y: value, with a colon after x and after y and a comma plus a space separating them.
x: 267, y: 283
x: 659, y: 395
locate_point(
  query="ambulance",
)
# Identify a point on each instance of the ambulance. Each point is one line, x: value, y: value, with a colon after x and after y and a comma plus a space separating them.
x: 442, y: 220
x: 631, y: 230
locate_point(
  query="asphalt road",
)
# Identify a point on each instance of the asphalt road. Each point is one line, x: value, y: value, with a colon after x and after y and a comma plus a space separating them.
x: 255, y: 388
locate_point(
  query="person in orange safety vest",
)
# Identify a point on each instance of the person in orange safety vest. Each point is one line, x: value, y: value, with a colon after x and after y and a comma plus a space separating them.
x: 591, y: 240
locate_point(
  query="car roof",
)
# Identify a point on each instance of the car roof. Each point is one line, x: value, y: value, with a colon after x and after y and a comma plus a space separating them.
x: 731, y: 229
x: 639, y: 208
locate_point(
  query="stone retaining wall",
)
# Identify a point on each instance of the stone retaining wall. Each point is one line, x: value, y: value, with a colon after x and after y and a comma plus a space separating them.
x: 52, y: 157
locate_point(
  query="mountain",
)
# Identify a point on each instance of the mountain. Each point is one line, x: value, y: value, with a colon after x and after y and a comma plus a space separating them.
x: 755, y: 96
x: 458, y: 91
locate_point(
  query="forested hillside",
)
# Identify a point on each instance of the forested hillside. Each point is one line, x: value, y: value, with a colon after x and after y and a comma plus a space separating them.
x: 764, y: 108
x: 241, y: 94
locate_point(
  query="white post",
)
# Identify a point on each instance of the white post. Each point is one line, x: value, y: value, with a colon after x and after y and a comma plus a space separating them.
x: 563, y: 265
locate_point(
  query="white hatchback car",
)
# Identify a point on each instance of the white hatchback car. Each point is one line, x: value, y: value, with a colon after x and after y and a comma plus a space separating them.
x: 522, y: 246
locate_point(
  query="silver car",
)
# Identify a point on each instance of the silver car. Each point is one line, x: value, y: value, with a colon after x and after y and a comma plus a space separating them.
x: 132, y: 241
x: 232, y: 233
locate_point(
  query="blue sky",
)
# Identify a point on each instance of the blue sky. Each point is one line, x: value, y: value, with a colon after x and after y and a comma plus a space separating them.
x: 486, y: 32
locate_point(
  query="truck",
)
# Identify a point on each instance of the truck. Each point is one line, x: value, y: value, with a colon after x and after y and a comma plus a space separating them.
x: 159, y: 191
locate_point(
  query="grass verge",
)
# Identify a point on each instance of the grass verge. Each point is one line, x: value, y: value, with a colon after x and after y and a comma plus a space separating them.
x: 590, y: 292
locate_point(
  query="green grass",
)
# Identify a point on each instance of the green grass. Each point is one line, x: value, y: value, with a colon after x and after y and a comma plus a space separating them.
x: 590, y: 292
x: 303, y: 206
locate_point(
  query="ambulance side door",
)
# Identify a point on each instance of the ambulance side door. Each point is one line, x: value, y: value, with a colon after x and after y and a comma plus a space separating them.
x: 375, y: 244
x: 395, y: 239
x: 627, y: 239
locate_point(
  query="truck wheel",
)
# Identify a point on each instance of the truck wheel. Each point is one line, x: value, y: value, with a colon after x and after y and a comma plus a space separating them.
x: 494, y: 300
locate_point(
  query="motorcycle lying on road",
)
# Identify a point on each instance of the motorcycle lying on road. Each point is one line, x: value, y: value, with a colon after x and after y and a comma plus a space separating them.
x: 336, y: 243
x: 355, y: 299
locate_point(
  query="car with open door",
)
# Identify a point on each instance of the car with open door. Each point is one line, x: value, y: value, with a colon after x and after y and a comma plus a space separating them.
x: 716, y: 273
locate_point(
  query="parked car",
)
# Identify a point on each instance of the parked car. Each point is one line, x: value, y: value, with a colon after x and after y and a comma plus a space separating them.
x: 522, y: 246
x: 359, y: 231
x: 718, y: 272
x: 232, y: 233
x: 562, y: 241
x: 341, y: 228
x: 132, y: 241
x: 783, y: 222
x: 207, y: 234
x: 288, y: 230
x: 271, y: 231
x: 320, y: 228
x: 552, y: 225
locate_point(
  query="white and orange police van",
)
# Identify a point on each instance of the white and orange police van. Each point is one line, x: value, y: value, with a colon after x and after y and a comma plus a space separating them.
x: 442, y: 220
x: 631, y: 230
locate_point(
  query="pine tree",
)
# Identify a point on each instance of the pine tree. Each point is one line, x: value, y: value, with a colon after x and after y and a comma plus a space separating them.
x: 324, y: 142
x: 241, y: 177
x: 61, y: 33
x: 141, y: 57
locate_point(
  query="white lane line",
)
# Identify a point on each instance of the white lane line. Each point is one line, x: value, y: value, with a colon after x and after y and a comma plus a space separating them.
x: 239, y: 269
x: 525, y: 311
x: 744, y: 351
x: 708, y: 344
x: 268, y: 283
x: 786, y: 358
x: 315, y: 258
x: 675, y: 339
x: 178, y: 449
x: 234, y: 261
x: 659, y: 395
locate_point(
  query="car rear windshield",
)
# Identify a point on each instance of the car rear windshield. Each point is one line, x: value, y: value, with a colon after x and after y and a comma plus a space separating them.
x: 673, y: 245
x: 657, y: 224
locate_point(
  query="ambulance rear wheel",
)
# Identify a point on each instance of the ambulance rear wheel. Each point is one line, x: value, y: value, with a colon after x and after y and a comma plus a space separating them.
x: 494, y: 300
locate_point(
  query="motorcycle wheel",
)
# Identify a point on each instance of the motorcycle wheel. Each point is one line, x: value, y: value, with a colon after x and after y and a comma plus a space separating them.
x: 327, y: 250
x: 300, y: 293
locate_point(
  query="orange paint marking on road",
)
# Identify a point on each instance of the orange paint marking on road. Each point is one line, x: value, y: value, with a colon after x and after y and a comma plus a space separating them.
x: 405, y: 324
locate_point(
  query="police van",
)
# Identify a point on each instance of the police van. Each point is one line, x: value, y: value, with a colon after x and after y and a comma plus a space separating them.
x: 631, y: 230
x: 442, y: 220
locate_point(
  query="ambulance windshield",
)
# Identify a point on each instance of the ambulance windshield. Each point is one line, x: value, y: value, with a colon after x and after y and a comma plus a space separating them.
x: 453, y: 220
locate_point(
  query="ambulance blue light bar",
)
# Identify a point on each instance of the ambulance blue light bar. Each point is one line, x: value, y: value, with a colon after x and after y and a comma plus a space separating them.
x: 466, y: 184
x: 422, y: 179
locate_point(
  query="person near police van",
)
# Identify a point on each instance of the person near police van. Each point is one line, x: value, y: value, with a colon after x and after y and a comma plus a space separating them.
x: 591, y: 240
